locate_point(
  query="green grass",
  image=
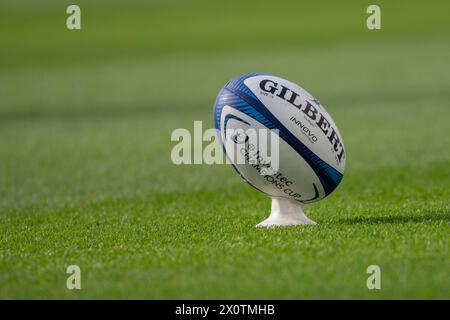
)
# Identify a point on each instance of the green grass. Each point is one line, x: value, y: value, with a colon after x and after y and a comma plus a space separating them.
x: 86, y: 176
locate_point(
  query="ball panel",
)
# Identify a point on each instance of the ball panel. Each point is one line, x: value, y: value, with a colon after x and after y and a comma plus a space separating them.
x: 295, y: 179
x: 302, y: 115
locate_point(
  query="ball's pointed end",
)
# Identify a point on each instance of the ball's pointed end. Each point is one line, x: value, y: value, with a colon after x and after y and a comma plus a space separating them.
x: 285, y: 212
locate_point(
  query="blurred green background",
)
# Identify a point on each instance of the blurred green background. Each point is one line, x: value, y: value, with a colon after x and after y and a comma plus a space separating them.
x: 85, y: 171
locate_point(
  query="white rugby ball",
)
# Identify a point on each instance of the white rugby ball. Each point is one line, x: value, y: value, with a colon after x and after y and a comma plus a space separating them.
x: 311, y: 151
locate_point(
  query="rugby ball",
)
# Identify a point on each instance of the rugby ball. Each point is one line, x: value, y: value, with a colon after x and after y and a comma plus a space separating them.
x: 311, y: 153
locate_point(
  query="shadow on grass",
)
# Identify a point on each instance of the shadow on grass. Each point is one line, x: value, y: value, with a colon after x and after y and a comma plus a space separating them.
x: 393, y: 219
x: 36, y: 112
x: 100, y: 112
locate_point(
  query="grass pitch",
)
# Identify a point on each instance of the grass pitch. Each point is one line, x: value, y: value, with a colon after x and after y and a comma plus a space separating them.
x: 86, y: 176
